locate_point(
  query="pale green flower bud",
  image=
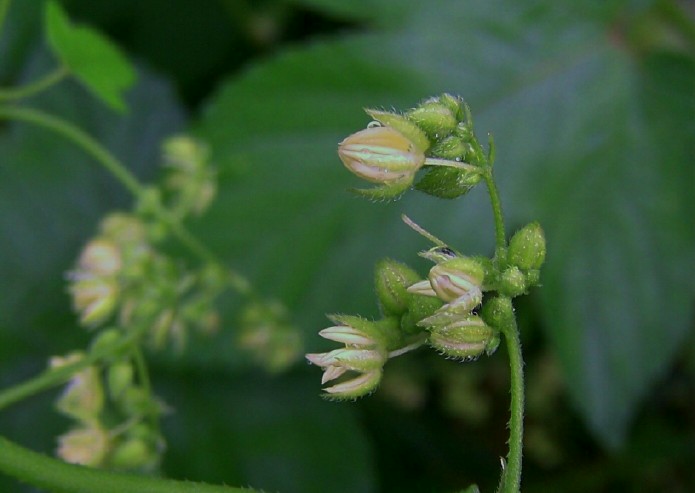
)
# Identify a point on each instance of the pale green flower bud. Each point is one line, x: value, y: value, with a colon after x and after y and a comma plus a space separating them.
x: 466, y: 339
x: 83, y: 397
x: 95, y: 298
x: 85, y: 446
x: 357, y: 387
x: 457, y: 277
x: 381, y: 155
x: 360, y: 360
x: 347, y: 335
x: 527, y: 247
x: 100, y: 257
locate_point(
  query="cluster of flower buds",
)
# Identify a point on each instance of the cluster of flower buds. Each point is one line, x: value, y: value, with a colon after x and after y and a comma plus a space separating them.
x: 454, y: 329
x: 120, y: 272
x: 437, y: 134
x: 191, y: 180
x: 113, y: 417
x: 266, y: 333
x: 369, y: 344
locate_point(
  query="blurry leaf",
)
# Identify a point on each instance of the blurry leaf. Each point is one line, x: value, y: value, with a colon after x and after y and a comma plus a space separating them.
x: 242, y: 437
x: 577, y: 148
x: 91, y: 58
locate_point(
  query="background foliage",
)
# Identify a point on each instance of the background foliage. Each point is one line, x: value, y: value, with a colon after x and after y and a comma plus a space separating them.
x: 593, y: 110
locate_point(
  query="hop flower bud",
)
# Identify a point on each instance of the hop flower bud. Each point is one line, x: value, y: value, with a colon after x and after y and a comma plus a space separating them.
x: 381, y: 155
x: 392, y: 280
x: 83, y: 397
x: 527, y: 247
x: 466, y: 339
x: 133, y: 454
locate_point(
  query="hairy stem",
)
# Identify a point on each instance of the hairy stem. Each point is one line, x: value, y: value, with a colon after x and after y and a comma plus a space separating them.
x: 511, y: 476
x: 32, y: 88
x: 500, y: 235
x: 57, y: 476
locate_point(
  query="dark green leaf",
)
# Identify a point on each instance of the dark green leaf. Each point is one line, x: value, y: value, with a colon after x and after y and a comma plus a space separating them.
x: 90, y: 57
x: 576, y: 149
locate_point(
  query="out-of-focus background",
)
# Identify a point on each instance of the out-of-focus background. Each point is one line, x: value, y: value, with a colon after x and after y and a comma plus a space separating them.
x: 592, y: 106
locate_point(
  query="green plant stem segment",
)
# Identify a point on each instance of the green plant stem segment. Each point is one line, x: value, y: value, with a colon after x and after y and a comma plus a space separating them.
x: 50, y: 79
x: 121, y: 173
x: 58, y: 477
x: 500, y: 235
x: 511, y: 476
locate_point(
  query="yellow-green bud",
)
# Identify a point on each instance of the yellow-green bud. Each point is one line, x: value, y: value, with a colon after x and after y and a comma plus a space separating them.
x: 381, y: 155
x: 464, y: 339
x: 400, y: 123
x: 392, y: 280
x: 83, y: 397
x: 498, y: 312
x: 451, y: 147
x: 527, y: 247
x: 95, y: 298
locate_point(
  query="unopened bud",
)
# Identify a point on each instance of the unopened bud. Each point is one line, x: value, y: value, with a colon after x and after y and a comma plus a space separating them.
x: 100, y: 257
x: 403, y: 125
x: 456, y: 277
x: 83, y: 397
x: 466, y: 339
x: 451, y: 147
x: 434, y: 117
x: 133, y: 453
x: 527, y: 247
x: 84, y: 446
x: 512, y: 282
x: 95, y: 298
x: 119, y: 377
x: 392, y: 280
x: 381, y: 155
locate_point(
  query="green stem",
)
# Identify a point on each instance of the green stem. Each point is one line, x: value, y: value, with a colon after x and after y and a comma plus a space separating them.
x: 121, y: 173
x: 46, y: 380
x: 500, y: 235
x: 48, y: 80
x: 511, y: 476
x: 57, y: 476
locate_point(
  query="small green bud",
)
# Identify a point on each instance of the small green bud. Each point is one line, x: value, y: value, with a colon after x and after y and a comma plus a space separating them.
x: 454, y: 103
x: 133, y: 453
x: 419, y: 308
x: 527, y: 247
x: 407, y: 128
x: 498, y: 312
x: 451, y: 147
x: 512, y: 282
x: 105, y: 341
x: 119, y: 377
x: 434, y: 117
x: 447, y: 182
x: 135, y: 401
x: 466, y: 339
x: 392, y: 280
